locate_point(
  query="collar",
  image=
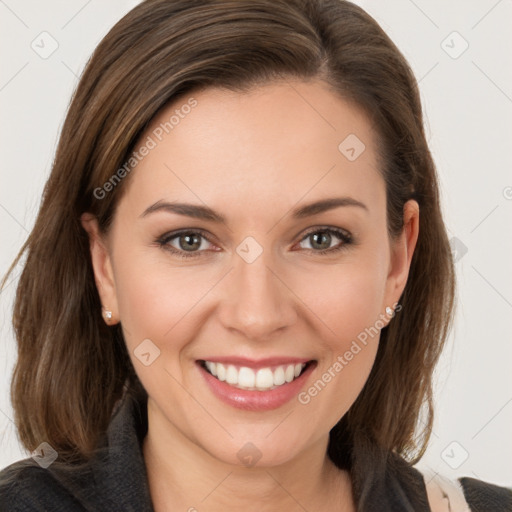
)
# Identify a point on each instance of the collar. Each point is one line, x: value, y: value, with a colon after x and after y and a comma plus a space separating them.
x: 121, y: 474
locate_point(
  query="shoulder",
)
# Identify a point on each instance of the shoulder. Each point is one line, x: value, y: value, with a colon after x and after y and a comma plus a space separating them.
x: 113, y: 478
x: 27, y: 487
x: 465, y: 494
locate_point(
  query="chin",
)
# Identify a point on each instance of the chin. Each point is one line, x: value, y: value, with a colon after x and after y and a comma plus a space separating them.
x: 248, y: 452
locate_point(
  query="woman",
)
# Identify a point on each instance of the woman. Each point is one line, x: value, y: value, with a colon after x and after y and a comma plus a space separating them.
x: 239, y: 282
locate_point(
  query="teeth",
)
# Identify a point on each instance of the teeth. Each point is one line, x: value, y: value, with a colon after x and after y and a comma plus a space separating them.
x: 212, y: 367
x: 231, y: 375
x: 221, y: 372
x: 246, y: 376
x: 279, y: 376
x: 289, y: 373
x: 262, y: 379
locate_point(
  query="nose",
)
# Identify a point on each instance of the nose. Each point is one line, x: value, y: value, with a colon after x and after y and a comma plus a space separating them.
x: 257, y: 302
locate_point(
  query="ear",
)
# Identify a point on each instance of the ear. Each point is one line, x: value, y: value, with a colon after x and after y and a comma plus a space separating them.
x: 102, y: 266
x: 402, y: 250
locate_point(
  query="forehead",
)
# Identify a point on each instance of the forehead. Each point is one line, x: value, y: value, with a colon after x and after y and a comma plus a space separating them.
x: 275, y: 143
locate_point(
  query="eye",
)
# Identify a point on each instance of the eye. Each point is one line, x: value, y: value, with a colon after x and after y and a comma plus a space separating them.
x: 185, y: 244
x: 193, y: 243
x: 321, y: 239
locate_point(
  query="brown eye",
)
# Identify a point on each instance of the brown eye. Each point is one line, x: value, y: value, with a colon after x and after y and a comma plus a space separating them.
x: 189, y: 241
x: 321, y: 240
x: 185, y: 244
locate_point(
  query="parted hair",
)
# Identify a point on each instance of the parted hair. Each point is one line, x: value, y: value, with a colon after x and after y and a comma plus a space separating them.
x: 72, y: 368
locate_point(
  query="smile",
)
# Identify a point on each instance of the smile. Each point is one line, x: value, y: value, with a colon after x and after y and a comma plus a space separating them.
x: 261, y: 379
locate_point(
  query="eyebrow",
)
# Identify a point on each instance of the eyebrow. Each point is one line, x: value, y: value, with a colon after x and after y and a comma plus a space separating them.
x: 206, y: 213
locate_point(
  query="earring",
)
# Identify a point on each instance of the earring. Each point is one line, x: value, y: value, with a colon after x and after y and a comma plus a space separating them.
x: 389, y: 311
x: 107, y: 314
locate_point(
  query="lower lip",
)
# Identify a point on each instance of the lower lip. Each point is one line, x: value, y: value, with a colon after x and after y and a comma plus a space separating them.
x: 256, y: 400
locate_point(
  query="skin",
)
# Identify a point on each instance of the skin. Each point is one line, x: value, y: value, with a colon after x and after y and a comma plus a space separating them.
x: 253, y: 157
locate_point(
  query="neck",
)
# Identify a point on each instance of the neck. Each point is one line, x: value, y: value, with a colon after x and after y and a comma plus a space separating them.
x: 183, y: 476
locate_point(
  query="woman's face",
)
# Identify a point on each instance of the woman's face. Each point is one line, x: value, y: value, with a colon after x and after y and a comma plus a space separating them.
x: 277, y: 283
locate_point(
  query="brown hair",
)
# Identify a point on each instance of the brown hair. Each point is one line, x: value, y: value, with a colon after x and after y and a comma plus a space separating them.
x: 71, y: 367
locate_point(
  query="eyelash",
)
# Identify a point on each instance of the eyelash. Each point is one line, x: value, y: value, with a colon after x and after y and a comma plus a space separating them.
x: 164, y: 240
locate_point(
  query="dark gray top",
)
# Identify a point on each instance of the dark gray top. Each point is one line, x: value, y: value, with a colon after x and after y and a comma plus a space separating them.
x: 115, y: 479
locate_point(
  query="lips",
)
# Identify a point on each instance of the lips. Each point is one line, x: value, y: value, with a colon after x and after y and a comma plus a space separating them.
x: 245, y: 384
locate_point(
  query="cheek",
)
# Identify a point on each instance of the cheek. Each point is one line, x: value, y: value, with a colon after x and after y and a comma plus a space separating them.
x: 346, y: 298
x: 160, y: 305
x: 154, y: 301
x: 154, y: 297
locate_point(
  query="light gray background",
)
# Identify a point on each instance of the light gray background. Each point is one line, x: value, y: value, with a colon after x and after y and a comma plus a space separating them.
x: 468, y: 107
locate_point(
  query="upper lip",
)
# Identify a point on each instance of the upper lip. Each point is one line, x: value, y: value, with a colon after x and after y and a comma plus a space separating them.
x: 257, y: 363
